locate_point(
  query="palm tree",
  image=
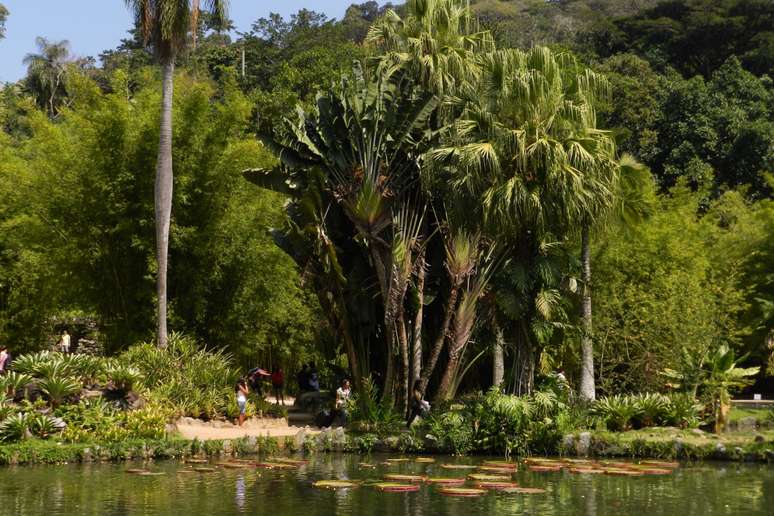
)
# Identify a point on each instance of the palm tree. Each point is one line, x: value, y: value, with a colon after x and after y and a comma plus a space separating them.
x: 3, y: 17
x: 168, y: 26
x: 632, y: 202
x: 46, y: 72
x: 527, y: 146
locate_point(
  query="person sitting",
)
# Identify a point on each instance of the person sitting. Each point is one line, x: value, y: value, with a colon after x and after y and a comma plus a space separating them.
x: 303, y: 379
x: 419, y: 407
x: 314, y: 381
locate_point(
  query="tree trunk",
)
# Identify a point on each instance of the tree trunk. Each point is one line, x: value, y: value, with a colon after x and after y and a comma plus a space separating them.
x: 524, y: 361
x: 416, y: 355
x: 498, y: 357
x: 403, y: 395
x: 587, y: 388
x: 163, y: 196
x: 440, y: 339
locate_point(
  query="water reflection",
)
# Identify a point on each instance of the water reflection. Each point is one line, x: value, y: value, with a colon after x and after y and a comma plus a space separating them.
x: 106, y: 489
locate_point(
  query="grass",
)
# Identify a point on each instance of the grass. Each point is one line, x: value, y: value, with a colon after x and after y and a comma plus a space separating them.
x: 737, y: 414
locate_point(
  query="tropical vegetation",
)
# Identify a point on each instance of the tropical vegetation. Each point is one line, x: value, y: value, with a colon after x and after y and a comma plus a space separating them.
x: 542, y: 216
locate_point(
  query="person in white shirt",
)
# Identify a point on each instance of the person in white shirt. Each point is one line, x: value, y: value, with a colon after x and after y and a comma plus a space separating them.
x: 342, y: 397
x: 3, y: 359
x: 64, y: 342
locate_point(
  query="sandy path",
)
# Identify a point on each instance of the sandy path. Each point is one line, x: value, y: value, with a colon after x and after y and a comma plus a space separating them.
x: 206, y: 433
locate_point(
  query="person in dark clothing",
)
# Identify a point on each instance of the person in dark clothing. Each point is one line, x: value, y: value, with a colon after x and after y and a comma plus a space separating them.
x: 303, y: 379
x: 314, y: 381
x: 278, y: 385
x: 256, y: 376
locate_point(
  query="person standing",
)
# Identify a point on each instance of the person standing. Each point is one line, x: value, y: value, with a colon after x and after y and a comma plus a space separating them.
x: 419, y: 407
x: 64, y: 342
x: 241, y: 398
x: 4, y: 359
x: 343, y: 394
x: 278, y: 385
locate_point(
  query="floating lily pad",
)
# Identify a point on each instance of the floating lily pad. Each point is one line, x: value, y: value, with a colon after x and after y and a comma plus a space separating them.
x: 414, y: 479
x: 458, y: 466
x: 196, y: 461
x: 292, y: 462
x: 398, y: 460
x: 523, y: 490
x: 335, y: 484
x: 396, y: 487
x: 496, y: 470
x: 366, y: 465
x: 661, y: 464
x: 446, y: 481
x: 623, y: 472
x: 484, y: 477
x: 136, y: 471
x: 496, y: 485
x: 462, y: 491
x: 204, y: 470
x: 185, y: 471
x: 586, y: 471
x: 424, y: 460
x: 502, y: 464
x: 151, y: 473
x: 234, y: 465
x: 656, y: 471
x: 545, y: 468
x: 275, y: 465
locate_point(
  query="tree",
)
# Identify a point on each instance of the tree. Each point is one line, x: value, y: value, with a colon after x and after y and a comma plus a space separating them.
x: 166, y: 26
x: 46, y: 73
x: 527, y: 146
x: 3, y: 17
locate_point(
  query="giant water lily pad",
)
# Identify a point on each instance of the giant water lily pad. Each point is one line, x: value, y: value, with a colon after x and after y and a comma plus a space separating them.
x: 462, y: 491
x: 204, y: 470
x: 623, y: 472
x: 446, y: 481
x: 523, y: 490
x: 151, y: 473
x: 458, y: 466
x: 401, y: 459
x: 502, y: 464
x: 496, y: 485
x: 424, y: 460
x: 485, y: 477
x: 196, y: 461
x: 292, y: 462
x: 656, y: 471
x: 414, y: 479
x: 335, y: 484
x: 586, y: 471
x: 275, y: 465
x: 366, y: 465
x: 396, y: 487
x: 661, y: 464
x: 234, y: 465
x: 543, y: 468
x: 496, y: 470
x: 136, y: 471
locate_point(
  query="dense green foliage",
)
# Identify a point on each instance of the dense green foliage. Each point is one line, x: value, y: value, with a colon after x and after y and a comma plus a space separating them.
x: 389, y: 214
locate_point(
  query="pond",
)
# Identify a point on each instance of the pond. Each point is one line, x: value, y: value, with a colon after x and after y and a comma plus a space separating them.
x: 108, y: 489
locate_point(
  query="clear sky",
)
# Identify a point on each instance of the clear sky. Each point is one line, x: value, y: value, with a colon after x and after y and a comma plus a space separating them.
x: 92, y: 26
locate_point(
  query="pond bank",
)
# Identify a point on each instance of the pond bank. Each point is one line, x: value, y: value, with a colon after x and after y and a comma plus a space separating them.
x: 655, y: 443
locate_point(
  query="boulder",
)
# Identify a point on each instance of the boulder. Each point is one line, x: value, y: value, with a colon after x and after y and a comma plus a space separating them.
x: 583, y: 444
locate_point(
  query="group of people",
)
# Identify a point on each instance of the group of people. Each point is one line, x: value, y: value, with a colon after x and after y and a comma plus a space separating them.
x: 308, y: 379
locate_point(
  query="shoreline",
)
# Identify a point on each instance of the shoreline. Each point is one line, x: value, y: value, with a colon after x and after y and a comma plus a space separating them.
x: 659, y: 443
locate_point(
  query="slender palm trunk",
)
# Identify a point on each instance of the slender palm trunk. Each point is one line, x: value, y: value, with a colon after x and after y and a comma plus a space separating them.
x: 451, y: 304
x: 587, y: 390
x: 163, y: 195
x: 498, y: 356
x: 416, y: 355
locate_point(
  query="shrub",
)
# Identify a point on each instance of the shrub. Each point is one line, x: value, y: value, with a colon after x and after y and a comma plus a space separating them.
x: 651, y: 409
x: 42, y: 425
x: 15, y: 428
x: 13, y: 381
x: 57, y: 389
x: 617, y: 412
x: 684, y: 411
x: 122, y: 376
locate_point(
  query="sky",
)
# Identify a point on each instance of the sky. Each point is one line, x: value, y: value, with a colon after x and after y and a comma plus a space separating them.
x: 92, y: 26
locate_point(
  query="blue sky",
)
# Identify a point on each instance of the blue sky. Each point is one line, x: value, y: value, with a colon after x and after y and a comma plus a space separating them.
x: 95, y: 25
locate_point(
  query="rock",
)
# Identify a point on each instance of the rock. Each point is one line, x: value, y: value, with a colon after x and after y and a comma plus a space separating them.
x: 759, y: 438
x: 583, y: 445
x: 720, y: 448
x: 314, y: 402
x: 299, y: 438
x: 698, y: 431
x: 568, y: 443
x: 748, y: 424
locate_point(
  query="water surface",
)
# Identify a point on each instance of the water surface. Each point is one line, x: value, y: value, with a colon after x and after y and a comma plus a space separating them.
x: 107, y: 489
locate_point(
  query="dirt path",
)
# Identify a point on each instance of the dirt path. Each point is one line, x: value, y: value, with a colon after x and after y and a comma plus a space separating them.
x: 206, y: 433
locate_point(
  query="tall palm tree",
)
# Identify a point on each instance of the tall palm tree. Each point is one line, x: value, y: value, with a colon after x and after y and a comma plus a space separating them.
x: 631, y: 203
x: 527, y: 145
x: 168, y: 26
x: 3, y: 17
x: 46, y: 72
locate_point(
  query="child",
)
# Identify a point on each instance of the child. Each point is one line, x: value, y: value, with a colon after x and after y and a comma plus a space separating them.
x: 241, y: 397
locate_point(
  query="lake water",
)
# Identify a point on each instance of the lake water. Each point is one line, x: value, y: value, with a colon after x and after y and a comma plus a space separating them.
x: 107, y: 489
